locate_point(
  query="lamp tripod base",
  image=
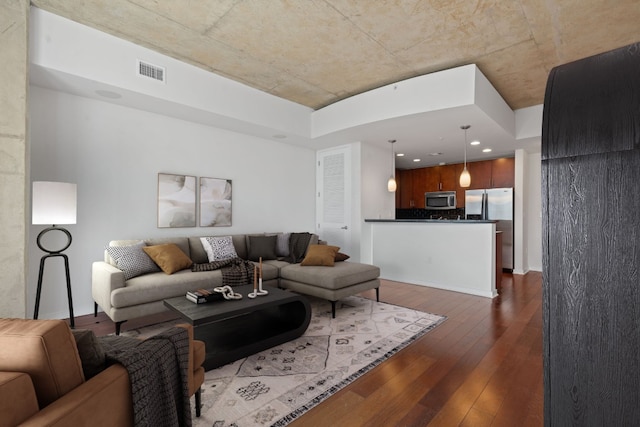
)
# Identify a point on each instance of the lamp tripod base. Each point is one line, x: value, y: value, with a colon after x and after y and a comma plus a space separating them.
x: 52, y: 254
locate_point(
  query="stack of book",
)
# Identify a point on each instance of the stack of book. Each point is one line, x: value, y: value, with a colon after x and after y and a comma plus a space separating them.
x: 203, y: 295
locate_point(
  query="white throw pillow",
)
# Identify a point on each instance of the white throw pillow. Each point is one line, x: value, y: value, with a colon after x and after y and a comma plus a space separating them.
x: 219, y: 248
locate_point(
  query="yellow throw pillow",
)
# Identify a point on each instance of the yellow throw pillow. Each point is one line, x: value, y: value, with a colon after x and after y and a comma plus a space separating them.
x: 320, y: 255
x: 169, y: 257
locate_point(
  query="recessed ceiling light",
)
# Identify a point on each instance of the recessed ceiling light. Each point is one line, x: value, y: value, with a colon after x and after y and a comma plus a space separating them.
x: 442, y: 163
x: 435, y: 154
x: 486, y: 150
x: 475, y: 142
x: 399, y: 154
x: 416, y: 160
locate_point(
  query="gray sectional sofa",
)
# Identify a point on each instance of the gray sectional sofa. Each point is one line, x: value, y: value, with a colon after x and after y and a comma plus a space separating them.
x: 124, y: 298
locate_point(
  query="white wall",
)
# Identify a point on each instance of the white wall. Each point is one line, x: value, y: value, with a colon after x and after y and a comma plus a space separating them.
x: 528, y: 202
x: 114, y: 154
x: 527, y: 207
x: 533, y: 207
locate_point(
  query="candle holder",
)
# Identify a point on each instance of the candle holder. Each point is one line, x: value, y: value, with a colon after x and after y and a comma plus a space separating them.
x: 257, y: 283
x: 258, y: 291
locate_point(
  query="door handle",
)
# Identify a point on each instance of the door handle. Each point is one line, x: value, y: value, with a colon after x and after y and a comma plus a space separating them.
x: 344, y: 228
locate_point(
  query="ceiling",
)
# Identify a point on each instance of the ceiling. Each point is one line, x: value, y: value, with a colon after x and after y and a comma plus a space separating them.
x: 317, y: 52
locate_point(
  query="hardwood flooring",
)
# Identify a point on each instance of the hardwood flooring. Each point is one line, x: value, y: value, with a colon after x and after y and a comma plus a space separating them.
x: 481, y: 367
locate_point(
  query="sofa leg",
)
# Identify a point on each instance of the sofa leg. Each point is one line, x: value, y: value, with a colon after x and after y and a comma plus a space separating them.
x: 378, y: 294
x: 198, y: 401
x: 118, y: 325
x: 333, y: 309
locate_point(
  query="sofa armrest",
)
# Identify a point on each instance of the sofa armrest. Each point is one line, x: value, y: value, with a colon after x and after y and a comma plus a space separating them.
x: 103, y: 401
x: 105, y: 278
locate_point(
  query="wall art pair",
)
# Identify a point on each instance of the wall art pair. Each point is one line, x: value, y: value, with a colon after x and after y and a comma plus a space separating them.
x: 179, y: 196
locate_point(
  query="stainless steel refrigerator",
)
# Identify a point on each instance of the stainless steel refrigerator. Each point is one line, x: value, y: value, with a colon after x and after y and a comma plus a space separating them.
x: 494, y: 204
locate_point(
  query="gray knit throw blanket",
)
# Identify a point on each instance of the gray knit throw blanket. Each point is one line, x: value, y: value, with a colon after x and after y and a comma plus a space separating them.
x: 158, y: 371
x: 298, y: 243
x: 235, y: 271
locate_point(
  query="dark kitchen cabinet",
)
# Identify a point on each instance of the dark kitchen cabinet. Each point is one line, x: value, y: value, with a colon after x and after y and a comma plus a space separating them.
x: 480, y: 174
x: 419, y: 187
x: 413, y: 183
x: 410, y: 187
x: 503, y: 172
x: 404, y: 191
x: 440, y: 178
x: 591, y: 228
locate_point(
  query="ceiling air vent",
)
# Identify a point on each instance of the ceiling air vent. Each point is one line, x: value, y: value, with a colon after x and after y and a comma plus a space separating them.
x: 151, y: 71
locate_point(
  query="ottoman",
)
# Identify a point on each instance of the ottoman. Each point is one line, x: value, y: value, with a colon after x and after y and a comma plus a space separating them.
x: 331, y: 283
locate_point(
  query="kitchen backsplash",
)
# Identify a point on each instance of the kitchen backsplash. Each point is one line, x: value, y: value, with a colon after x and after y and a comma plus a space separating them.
x: 415, y: 213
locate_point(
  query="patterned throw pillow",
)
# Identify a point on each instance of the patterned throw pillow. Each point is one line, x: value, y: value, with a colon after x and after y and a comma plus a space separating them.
x: 219, y: 248
x: 132, y: 260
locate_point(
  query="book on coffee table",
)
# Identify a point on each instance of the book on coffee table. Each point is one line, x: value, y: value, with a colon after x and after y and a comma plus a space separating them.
x: 201, y: 296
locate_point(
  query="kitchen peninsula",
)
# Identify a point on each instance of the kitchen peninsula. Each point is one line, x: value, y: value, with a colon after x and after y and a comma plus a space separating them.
x: 456, y: 255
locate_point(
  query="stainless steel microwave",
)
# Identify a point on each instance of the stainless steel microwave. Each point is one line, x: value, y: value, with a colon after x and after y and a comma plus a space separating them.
x: 440, y: 200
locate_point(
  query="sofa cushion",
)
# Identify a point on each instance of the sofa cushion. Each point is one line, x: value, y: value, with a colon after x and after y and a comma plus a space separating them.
x: 341, y: 275
x: 169, y: 257
x: 91, y: 352
x: 159, y: 286
x: 44, y: 349
x: 132, y: 260
x: 320, y: 255
x: 219, y: 248
x: 262, y: 247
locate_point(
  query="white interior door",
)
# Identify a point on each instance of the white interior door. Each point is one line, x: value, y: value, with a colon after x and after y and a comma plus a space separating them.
x: 334, y: 197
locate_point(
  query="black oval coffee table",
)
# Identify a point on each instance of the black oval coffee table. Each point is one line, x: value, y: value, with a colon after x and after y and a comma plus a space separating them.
x: 233, y: 329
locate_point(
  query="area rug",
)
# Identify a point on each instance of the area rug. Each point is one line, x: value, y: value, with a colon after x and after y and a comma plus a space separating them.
x: 276, y: 386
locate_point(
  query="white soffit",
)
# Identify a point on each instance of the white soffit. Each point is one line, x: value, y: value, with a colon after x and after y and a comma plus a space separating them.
x: 74, y: 58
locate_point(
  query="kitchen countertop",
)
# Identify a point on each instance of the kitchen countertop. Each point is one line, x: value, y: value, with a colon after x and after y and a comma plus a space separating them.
x: 456, y: 221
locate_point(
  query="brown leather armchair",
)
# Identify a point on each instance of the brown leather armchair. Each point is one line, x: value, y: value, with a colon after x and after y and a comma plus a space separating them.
x: 42, y: 382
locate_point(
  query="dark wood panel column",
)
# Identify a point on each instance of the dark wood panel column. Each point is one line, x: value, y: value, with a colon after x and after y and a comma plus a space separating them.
x: 591, y: 251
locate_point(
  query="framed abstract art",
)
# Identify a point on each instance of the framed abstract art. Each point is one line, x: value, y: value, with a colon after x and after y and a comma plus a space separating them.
x: 215, y: 202
x: 176, y: 200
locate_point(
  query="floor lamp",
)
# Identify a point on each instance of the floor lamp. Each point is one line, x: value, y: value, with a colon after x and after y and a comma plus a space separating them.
x: 54, y: 203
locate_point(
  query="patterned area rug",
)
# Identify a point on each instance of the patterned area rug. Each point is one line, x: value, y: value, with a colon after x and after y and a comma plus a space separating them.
x: 276, y: 386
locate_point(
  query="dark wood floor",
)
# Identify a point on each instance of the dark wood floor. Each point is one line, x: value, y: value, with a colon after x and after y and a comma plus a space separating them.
x: 482, y: 367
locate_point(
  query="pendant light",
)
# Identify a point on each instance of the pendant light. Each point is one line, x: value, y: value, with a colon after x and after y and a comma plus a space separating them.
x: 391, y: 184
x: 465, y: 177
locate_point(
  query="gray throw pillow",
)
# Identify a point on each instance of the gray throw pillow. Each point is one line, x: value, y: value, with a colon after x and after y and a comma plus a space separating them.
x: 90, y: 351
x: 262, y: 247
x: 282, y: 245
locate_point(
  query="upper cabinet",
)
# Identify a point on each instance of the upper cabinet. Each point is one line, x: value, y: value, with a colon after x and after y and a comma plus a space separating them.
x: 419, y: 187
x: 496, y: 173
x: 503, y: 172
x: 404, y: 192
x: 480, y: 174
x: 413, y: 183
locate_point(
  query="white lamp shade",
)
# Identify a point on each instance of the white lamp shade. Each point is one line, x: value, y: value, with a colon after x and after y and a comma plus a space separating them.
x: 53, y: 203
x: 465, y: 178
x: 392, y: 185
